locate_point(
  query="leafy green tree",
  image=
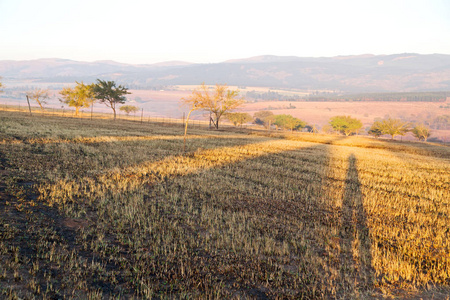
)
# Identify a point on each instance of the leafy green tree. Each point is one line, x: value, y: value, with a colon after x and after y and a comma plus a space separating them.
x: 346, y: 124
x: 239, y: 118
x: 38, y: 95
x: 421, y: 132
x: 394, y: 127
x: 110, y: 94
x: 129, y: 109
x: 218, y: 103
x: 289, y: 122
x: 81, y: 95
x: 264, y: 117
x: 376, y: 129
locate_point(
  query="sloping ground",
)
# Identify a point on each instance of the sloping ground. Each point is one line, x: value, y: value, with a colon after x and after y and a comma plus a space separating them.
x: 93, y: 209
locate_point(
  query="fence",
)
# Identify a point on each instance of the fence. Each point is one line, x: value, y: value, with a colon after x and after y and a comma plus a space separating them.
x: 442, y: 136
x: 140, y: 116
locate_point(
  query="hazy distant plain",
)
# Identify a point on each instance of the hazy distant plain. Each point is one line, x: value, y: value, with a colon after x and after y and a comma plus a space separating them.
x: 166, y: 103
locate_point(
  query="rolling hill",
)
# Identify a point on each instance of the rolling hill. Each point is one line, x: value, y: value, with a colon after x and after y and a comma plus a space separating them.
x: 405, y: 72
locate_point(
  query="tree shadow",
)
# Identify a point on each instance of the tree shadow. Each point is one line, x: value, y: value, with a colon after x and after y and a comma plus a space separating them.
x: 280, y: 198
x: 254, y: 224
x: 356, y: 269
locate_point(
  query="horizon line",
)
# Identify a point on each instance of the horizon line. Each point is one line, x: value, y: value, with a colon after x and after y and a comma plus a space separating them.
x: 177, y: 61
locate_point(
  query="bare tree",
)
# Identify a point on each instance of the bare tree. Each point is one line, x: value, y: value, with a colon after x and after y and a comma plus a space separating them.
x: 38, y: 95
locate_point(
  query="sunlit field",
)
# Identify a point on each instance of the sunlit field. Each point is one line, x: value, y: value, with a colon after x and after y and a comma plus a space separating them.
x: 97, y: 209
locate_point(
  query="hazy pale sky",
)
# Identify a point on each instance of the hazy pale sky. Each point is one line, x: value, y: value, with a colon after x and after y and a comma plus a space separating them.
x: 208, y: 31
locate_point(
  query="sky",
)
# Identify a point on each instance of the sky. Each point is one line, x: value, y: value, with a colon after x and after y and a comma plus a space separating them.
x: 210, y: 31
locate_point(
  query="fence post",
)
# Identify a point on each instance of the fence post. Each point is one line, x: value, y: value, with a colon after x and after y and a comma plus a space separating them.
x: 29, y: 106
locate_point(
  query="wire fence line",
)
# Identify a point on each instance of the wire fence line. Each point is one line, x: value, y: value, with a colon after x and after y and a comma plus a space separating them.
x: 141, y: 116
x: 145, y: 117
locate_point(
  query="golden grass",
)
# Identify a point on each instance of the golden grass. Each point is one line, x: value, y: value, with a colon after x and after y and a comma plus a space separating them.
x: 120, y: 211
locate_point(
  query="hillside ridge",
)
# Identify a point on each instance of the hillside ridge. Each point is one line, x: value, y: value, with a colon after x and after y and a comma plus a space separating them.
x: 405, y: 72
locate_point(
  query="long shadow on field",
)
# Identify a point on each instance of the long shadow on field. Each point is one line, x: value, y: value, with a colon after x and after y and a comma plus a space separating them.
x: 355, y: 259
x: 251, y: 227
x: 247, y: 227
x: 261, y: 225
x: 256, y: 227
x: 48, y: 224
x: 84, y: 160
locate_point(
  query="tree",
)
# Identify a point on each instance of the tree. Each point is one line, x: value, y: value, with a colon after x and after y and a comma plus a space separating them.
x: 394, y: 127
x: 376, y: 129
x: 442, y: 122
x: 264, y: 117
x: 289, y: 122
x: 129, y: 108
x: 218, y: 103
x: 38, y: 95
x: 80, y: 96
x: 195, y: 104
x: 327, y: 129
x: 312, y: 128
x: 421, y: 132
x: 238, y: 118
x: 346, y: 124
x: 110, y: 94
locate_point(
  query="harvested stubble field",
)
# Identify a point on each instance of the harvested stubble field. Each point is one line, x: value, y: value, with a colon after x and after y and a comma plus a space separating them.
x: 101, y: 209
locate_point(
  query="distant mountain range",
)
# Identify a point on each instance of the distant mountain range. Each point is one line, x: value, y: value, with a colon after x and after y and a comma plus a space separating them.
x: 407, y: 72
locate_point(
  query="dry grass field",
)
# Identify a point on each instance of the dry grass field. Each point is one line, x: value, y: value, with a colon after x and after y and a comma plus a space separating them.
x: 96, y: 209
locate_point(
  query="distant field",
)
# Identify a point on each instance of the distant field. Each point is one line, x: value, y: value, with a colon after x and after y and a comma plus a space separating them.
x: 250, y: 88
x: 321, y: 112
x: 166, y: 103
x: 97, y: 209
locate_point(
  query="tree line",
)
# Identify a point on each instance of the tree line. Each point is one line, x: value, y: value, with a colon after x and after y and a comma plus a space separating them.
x: 222, y: 102
x: 388, y: 97
x: 345, y: 125
x: 331, y: 97
x: 84, y: 96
